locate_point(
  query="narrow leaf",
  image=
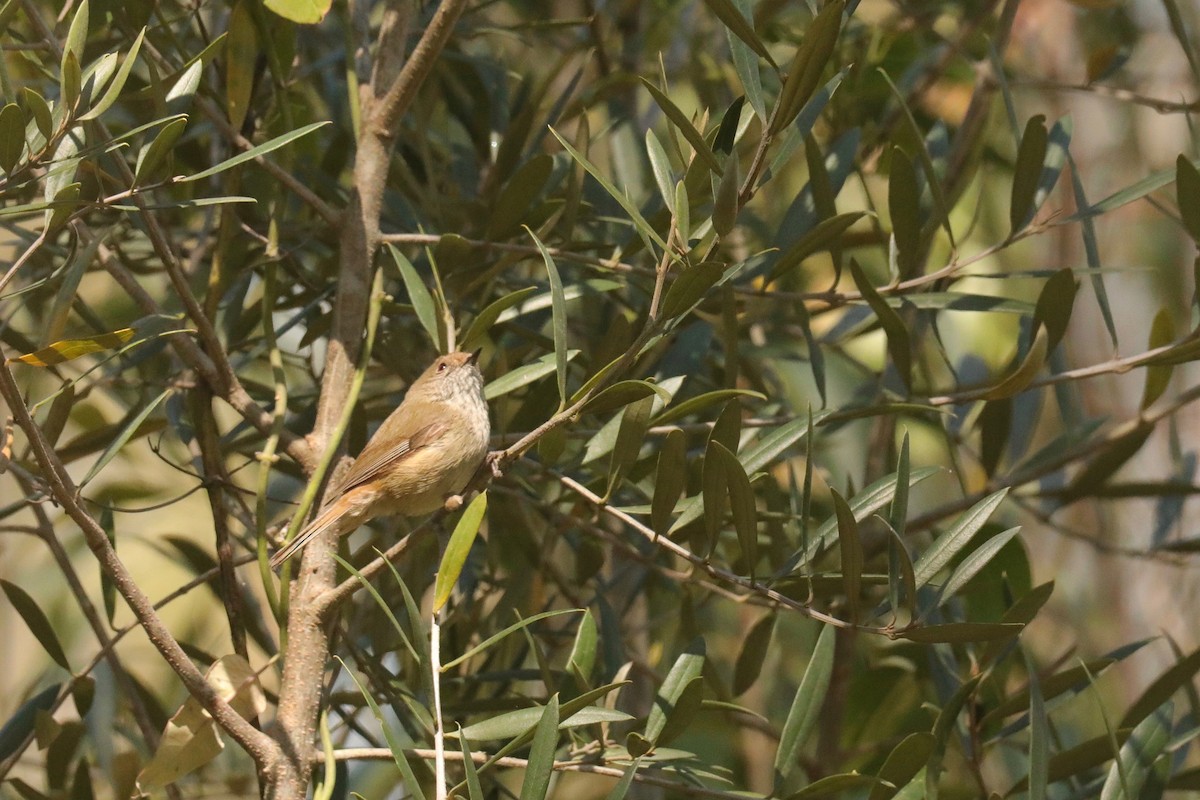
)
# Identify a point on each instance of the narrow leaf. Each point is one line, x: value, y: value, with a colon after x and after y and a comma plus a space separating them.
x: 806, y: 705
x: 1027, y: 172
x: 541, y: 756
x: 254, y: 152
x: 670, y: 479
x: 122, y: 438
x: 850, y: 547
x: 418, y: 295
x: 686, y: 667
x: 38, y: 622
x: 946, y: 546
x: 558, y: 306
x: 457, y: 550
x: 694, y: 137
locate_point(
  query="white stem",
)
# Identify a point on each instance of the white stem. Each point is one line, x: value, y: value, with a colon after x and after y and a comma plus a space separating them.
x: 439, y: 734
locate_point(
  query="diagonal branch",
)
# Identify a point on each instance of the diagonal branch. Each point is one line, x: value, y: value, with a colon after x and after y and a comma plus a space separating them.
x: 258, y: 745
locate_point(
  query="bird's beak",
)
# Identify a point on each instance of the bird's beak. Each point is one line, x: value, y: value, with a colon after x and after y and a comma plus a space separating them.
x: 475, y: 356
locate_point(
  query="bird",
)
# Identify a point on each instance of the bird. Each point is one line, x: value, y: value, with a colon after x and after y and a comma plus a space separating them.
x: 424, y: 453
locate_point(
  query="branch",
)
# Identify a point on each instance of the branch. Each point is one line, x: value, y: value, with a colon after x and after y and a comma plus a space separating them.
x: 384, y: 754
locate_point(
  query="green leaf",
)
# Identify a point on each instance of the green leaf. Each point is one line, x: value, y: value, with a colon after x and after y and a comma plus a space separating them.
x: 1187, y: 193
x: 970, y: 566
x: 946, y: 546
x: 241, y: 53
x: 850, y: 547
x: 1160, y: 690
x: 694, y: 137
x: 12, y: 136
x: 686, y: 667
x: 682, y: 712
x: 725, y: 203
x: 76, y: 37
x: 418, y: 295
x: 902, y: 765
x: 869, y: 500
x: 1078, y: 759
x: 516, y: 626
x: 40, y: 110
x: 485, y: 319
x: 670, y: 479
x: 622, y: 788
x: 804, y: 74
x: 836, y: 785
x: 583, y: 651
x: 122, y: 438
x: 524, y: 375
x: 942, y: 728
x: 741, y: 502
x: 689, y: 287
x: 155, y: 154
x: 806, y: 705
x: 541, y: 755
x: 113, y: 92
x: 254, y: 152
x: 457, y: 550
x: 179, y: 98
x: 1111, y: 457
x: 715, y: 494
x: 745, y: 59
x: 1092, y: 252
x: 1039, y: 737
x: 558, y: 306
x: 21, y: 724
x: 631, y: 435
x: 958, y: 632
x: 816, y: 358
x: 737, y: 23
x: 514, y: 723
x: 1070, y: 680
x: 682, y: 210
x: 757, y: 455
x: 822, y: 237
x: 1054, y: 305
x: 1158, y: 377
x: 1148, y: 741
x: 1028, y: 172
x: 898, y: 344
x: 648, y: 234
x: 474, y: 789
x: 904, y: 206
x: 623, y: 393
x: 305, y: 12
x: 38, y: 622
x: 753, y: 654
x: 701, y: 402
x: 660, y: 166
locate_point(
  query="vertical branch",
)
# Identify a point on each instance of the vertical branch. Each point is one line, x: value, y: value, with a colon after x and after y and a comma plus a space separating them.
x: 215, y: 476
x: 389, y: 99
x: 439, y: 731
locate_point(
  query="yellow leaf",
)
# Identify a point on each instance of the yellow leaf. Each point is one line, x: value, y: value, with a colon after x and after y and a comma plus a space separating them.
x: 68, y: 349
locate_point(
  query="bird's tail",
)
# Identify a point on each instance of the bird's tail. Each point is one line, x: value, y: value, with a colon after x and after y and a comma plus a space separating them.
x: 327, y: 519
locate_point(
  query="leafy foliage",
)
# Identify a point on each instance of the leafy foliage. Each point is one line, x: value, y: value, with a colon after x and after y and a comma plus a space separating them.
x: 752, y: 286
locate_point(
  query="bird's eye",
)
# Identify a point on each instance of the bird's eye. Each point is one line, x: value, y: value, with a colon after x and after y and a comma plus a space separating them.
x: 442, y: 367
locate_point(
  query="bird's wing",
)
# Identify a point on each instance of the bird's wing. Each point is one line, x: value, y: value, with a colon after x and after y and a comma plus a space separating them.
x: 383, y: 451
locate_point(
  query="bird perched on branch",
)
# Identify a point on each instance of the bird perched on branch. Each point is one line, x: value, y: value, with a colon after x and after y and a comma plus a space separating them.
x: 424, y: 453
